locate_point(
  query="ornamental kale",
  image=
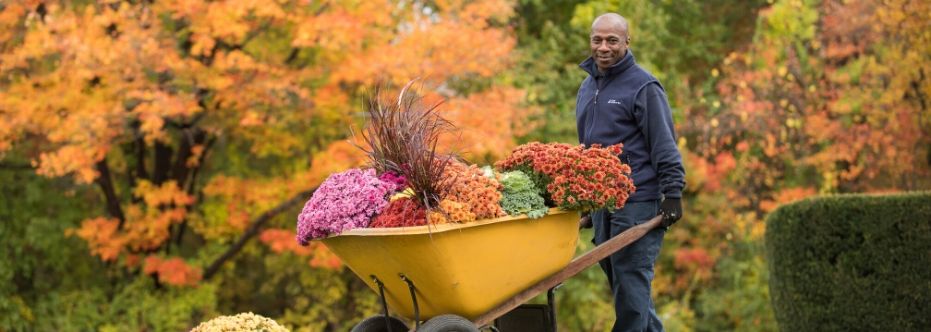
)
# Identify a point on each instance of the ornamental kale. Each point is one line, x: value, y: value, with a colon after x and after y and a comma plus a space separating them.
x: 344, y: 201
x: 521, y: 196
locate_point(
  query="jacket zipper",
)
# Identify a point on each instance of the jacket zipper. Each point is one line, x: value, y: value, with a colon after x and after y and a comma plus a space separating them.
x: 598, y: 84
x: 594, y: 106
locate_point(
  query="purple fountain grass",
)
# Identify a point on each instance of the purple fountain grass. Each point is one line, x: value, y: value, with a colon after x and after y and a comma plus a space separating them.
x: 401, y: 138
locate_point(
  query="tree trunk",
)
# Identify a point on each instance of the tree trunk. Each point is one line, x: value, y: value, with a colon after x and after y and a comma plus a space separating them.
x: 106, y: 184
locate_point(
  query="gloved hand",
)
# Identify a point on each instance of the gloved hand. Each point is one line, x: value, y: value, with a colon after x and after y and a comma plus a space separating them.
x: 585, y: 221
x: 671, y: 209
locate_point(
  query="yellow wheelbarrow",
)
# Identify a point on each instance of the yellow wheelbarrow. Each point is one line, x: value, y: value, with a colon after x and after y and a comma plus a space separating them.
x: 463, y: 277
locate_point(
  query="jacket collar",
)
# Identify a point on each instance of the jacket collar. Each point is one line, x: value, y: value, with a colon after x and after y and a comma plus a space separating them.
x: 627, y: 61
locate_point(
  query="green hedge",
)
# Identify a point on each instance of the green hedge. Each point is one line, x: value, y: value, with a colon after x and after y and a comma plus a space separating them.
x: 852, y: 263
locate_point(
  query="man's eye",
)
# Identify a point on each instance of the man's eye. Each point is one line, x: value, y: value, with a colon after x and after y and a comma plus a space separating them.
x: 613, y: 41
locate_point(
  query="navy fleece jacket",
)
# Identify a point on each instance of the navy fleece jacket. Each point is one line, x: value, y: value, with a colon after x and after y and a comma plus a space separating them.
x: 627, y: 105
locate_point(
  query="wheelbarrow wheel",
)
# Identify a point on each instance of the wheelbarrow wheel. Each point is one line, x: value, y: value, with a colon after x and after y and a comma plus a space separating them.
x: 448, y: 323
x: 379, y: 324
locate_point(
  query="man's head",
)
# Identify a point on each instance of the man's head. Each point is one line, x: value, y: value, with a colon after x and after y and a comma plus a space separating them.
x: 609, y: 40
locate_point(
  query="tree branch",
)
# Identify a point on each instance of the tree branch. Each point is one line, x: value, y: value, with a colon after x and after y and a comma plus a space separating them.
x: 106, y: 184
x: 139, y: 151
x: 16, y: 166
x: 139, y: 146
x: 192, y: 182
x: 253, y: 230
x: 163, y: 154
x: 190, y: 137
x: 292, y: 56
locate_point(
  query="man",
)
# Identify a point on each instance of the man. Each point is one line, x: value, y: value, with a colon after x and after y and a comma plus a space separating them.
x: 620, y: 102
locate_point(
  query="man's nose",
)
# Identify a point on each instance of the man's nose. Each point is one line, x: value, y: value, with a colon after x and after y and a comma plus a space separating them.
x: 603, y: 46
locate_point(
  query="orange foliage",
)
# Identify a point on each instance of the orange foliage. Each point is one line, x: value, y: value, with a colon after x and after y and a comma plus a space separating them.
x: 148, y: 228
x: 337, y: 156
x: 487, y: 123
x: 831, y: 96
x: 283, y: 240
x: 155, y: 99
x: 132, y: 260
x: 845, y: 100
x: 324, y: 258
x: 694, y: 263
x: 717, y: 171
x: 425, y: 47
x: 167, y: 194
x: 245, y: 197
x: 173, y: 271
x: 786, y: 196
x: 697, y: 175
x: 79, y: 104
x: 101, y: 237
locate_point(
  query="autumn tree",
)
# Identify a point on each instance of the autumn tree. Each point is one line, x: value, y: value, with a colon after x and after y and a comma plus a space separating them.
x: 831, y: 97
x: 200, y: 123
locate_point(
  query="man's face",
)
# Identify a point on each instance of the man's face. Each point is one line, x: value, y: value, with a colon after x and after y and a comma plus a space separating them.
x: 609, y: 44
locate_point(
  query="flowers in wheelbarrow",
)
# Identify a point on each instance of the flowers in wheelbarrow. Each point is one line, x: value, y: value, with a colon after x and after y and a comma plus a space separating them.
x: 574, y: 177
x: 401, y: 212
x: 468, y: 189
x: 344, y: 201
x: 521, y: 196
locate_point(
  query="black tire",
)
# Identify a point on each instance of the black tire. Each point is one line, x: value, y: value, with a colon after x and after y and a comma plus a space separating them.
x: 377, y: 324
x: 448, y: 323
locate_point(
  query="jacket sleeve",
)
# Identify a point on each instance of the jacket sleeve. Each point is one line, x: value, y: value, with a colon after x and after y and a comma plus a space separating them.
x: 656, y: 123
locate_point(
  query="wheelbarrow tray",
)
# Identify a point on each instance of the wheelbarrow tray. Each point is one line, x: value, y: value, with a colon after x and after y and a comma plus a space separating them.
x: 463, y: 269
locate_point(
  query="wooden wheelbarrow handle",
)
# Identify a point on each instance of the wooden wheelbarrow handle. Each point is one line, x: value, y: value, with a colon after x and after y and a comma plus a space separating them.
x: 575, y: 266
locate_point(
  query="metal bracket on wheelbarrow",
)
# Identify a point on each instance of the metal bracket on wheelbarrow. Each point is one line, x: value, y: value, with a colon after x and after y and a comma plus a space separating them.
x: 410, y: 285
x: 384, y: 302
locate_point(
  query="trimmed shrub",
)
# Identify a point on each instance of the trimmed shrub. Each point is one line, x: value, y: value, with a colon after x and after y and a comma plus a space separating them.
x: 852, y: 263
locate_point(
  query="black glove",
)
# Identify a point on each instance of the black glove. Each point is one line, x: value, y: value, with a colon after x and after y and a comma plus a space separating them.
x: 671, y: 208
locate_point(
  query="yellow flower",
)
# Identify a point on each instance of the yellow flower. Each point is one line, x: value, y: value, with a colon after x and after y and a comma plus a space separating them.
x: 404, y: 194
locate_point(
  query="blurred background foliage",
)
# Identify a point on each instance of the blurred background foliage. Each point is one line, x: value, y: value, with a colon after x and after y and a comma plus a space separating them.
x: 156, y: 152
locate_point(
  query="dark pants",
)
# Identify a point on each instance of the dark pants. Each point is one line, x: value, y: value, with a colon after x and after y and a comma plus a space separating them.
x: 630, y: 270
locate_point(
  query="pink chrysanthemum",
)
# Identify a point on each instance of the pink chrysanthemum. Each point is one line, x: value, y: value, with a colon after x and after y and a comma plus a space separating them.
x: 344, y: 201
x: 399, y: 181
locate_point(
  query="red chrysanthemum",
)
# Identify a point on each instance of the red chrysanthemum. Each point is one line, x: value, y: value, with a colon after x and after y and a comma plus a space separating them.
x: 574, y: 177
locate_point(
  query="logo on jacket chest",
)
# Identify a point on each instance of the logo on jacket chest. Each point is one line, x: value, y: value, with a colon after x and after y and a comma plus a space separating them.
x: 614, y: 101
